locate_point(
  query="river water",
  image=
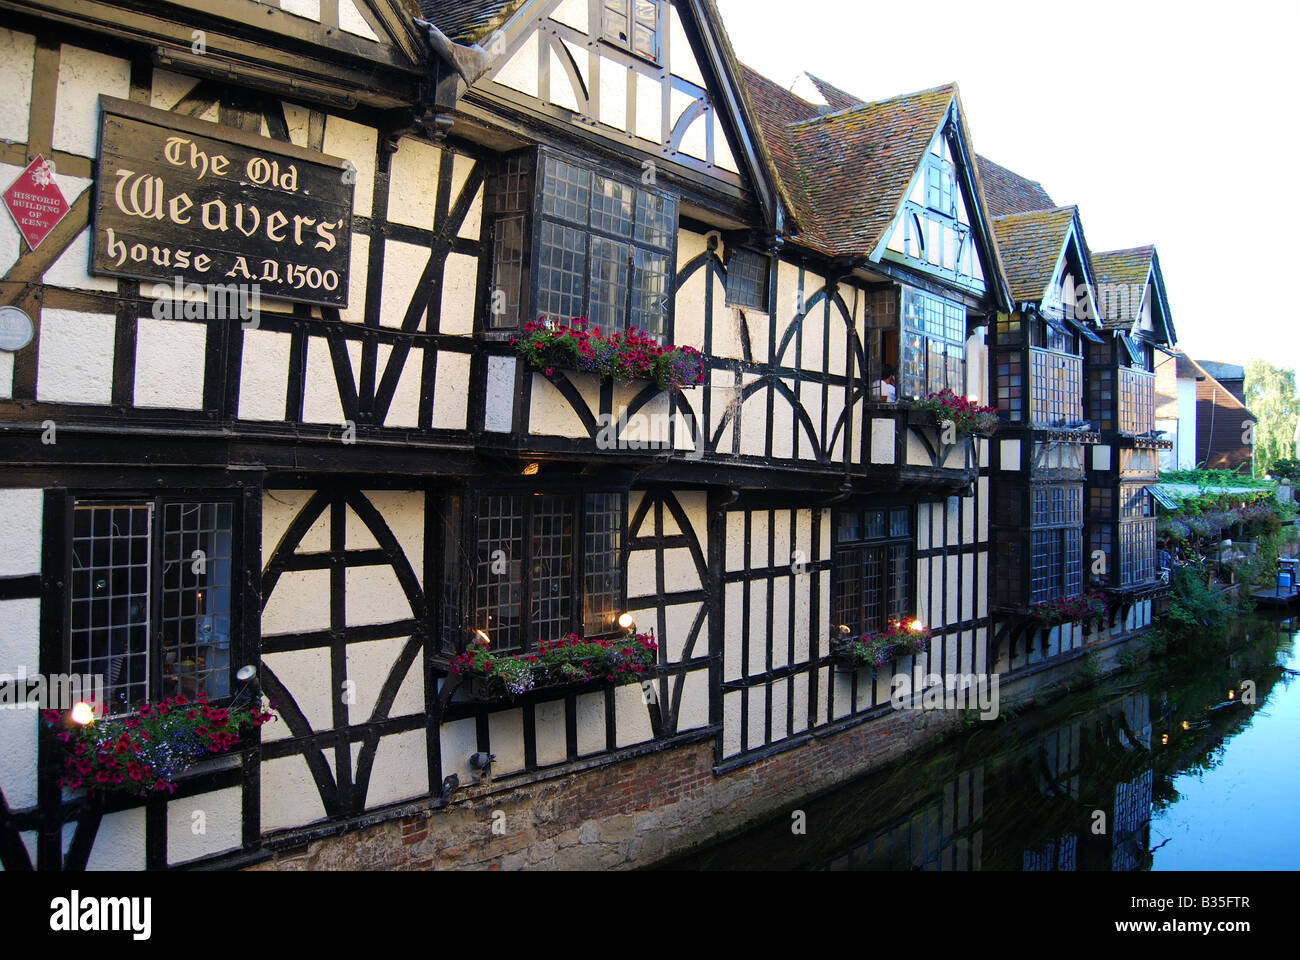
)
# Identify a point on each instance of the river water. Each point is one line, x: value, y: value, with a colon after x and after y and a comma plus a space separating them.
x: 1190, y: 761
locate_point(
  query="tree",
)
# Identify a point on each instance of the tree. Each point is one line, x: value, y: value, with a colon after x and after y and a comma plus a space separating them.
x: 1271, y: 397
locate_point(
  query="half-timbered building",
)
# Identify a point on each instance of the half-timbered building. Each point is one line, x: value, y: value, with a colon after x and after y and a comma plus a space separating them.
x: 374, y: 477
x: 1122, y: 403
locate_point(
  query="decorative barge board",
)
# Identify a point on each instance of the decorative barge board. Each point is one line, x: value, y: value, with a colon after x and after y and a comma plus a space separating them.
x: 1134, y: 310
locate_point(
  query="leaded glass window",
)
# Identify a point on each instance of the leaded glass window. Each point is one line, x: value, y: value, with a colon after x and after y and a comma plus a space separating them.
x: 529, y: 546
x: 151, y: 598
x: 871, y: 576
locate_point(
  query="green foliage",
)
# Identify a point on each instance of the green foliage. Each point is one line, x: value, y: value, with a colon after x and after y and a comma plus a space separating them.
x: 1197, y: 602
x: 1214, y: 478
x: 1287, y: 469
x: 1271, y: 397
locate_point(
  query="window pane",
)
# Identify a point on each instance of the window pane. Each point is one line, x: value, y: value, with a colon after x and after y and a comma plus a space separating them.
x: 747, y: 276
x: 561, y: 269
x: 609, y: 268
x: 656, y: 219
x: 196, y: 585
x: 650, y: 293
x: 498, y: 581
x: 611, y: 207
x: 551, y: 557
x: 508, y: 270
x: 566, y: 191
x: 602, y: 562
x: 111, y: 552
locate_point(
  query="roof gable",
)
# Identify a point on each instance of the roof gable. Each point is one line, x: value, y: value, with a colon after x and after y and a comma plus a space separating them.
x: 1129, y: 282
x: 1033, y: 245
x: 862, y: 161
x: 554, y: 61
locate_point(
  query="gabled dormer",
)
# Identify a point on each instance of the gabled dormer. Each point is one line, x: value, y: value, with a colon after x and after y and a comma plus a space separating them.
x: 1038, y: 346
x: 651, y: 80
x: 1131, y: 296
x: 897, y: 189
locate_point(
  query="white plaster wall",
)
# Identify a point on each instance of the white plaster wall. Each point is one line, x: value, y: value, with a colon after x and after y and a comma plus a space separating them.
x: 368, y: 664
x: 83, y: 76
x: 76, y: 357
x: 413, y: 178
x: 21, y: 513
x: 404, y: 410
x: 400, y: 770
x: 119, y: 843
x: 451, y: 390
x: 218, y: 829
x: 549, y: 720
x: 289, y: 794
x: 404, y: 264
x: 299, y: 603
x: 17, y: 53
x: 551, y: 414
x: 264, y: 375
x: 499, y: 413
x: 374, y: 596
x: 459, y: 292
x: 169, y: 363
x: 506, y: 734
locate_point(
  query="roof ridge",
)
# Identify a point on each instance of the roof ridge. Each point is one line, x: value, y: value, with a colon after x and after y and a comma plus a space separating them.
x: 867, y: 104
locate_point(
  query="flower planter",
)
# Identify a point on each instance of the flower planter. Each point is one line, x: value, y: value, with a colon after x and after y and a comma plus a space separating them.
x: 151, y: 748
x: 622, y: 357
x: 488, y: 676
x: 969, y: 418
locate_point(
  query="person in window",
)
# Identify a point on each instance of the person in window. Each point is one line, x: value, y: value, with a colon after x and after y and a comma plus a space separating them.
x: 1164, y: 559
x: 886, y: 387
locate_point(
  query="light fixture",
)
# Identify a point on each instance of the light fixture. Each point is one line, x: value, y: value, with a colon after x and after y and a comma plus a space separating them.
x: 844, y: 630
x: 1186, y: 725
x: 532, y: 469
x: 482, y: 639
x: 83, y: 713
x: 246, y: 673
x: 916, y: 626
x: 627, y: 623
x: 1164, y: 739
x: 1232, y: 694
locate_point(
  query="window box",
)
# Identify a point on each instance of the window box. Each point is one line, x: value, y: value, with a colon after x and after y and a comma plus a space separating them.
x: 569, y: 664
x: 969, y: 418
x: 903, y: 638
x: 577, y: 346
x: 148, y: 750
x: 1089, y: 606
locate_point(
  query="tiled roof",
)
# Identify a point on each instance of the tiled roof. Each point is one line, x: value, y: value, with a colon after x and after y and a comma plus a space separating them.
x: 774, y: 109
x: 1129, y: 269
x: 1223, y: 371
x: 1031, y: 244
x: 1007, y: 192
x: 837, y: 98
x: 469, y: 21
x: 859, y: 162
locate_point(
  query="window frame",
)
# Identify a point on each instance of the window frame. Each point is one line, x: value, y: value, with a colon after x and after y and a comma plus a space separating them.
x: 891, y: 606
x: 238, y: 641
x: 928, y: 338
x: 470, y: 511
x: 628, y: 44
x: 530, y: 295
x: 734, y: 294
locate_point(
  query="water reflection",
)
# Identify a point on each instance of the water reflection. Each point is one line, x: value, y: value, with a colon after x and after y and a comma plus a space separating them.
x: 1141, y: 773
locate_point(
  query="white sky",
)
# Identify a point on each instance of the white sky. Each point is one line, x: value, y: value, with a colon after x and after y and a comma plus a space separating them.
x: 1166, y: 123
